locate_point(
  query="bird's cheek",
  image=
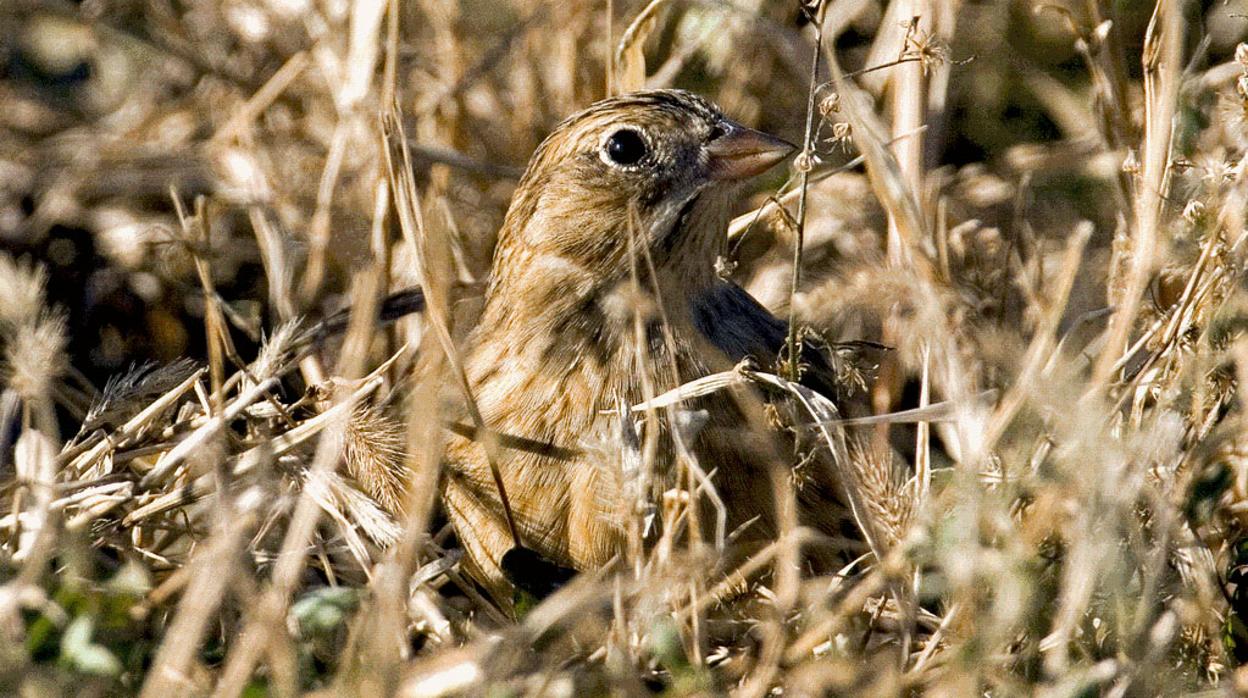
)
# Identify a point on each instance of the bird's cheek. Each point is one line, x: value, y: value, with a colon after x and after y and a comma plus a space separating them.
x: 591, y: 239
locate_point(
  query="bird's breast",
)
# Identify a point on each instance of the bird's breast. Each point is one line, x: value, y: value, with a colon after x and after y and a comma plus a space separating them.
x: 549, y: 383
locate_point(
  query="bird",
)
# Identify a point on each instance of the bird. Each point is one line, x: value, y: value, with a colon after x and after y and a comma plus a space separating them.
x: 602, y: 292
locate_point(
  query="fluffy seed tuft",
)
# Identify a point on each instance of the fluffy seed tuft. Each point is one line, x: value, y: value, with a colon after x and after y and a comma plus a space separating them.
x: 35, y: 356
x: 21, y: 292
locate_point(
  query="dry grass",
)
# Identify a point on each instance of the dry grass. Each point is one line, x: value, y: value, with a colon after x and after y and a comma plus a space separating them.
x: 1038, y: 208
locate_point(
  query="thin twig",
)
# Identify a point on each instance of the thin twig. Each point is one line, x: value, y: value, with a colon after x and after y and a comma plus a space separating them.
x: 804, y: 163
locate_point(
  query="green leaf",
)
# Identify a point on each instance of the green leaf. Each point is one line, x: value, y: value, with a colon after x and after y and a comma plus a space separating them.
x: 82, y: 655
x: 324, y: 610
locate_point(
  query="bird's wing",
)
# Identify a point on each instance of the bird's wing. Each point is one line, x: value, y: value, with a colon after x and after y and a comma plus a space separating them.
x: 738, y: 325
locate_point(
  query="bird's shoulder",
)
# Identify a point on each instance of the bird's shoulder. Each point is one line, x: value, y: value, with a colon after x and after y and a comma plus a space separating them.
x: 738, y: 325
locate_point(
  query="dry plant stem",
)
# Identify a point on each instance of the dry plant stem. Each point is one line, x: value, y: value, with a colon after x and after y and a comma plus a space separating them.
x: 253, y: 458
x: 923, y: 480
x: 277, y: 270
x: 1179, y: 317
x: 922, y: 446
x: 823, y: 413
x: 738, y: 227
x: 319, y: 229
x: 390, y: 61
x: 434, y: 256
x: 1137, y: 389
x: 929, y: 648
x: 430, y: 103
x: 1167, y: 519
x: 649, y: 448
x: 37, y: 462
x: 87, y: 501
x: 943, y: 15
x: 693, y: 389
x: 671, y: 68
x: 276, y: 265
x: 209, y: 577
x: 84, y: 463
x: 1107, y: 66
x: 735, y: 581
x: 1077, y: 586
x: 488, y: 439
x: 876, y: 580
x: 199, y: 234
x: 365, y: 295
x: 632, y: 468
x: 938, y: 412
x: 630, y: 60
x: 258, y: 635
x: 787, y: 574
x: 888, y: 45
x: 81, y: 498
x: 741, y: 225
x: 799, y: 238
x: 885, y: 175
x: 379, y: 245
x: 266, y: 619
x: 699, y: 481
x: 1163, y: 56
x: 34, y: 566
x: 1040, y: 350
x: 787, y: 559
x: 422, y: 153
x: 360, y: 62
x: 172, y: 585
x: 609, y: 59
x: 213, y: 426
x: 379, y: 638
x: 908, y: 96
x: 263, y: 98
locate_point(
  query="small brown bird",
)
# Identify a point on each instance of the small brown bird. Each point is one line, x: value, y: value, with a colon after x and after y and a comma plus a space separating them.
x: 603, y: 292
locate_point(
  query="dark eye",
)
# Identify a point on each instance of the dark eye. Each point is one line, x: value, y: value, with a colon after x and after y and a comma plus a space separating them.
x: 626, y: 147
x: 716, y: 131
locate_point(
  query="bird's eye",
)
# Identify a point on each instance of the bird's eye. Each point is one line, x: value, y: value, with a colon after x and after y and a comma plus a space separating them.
x: 716, y: 131
x: 626, y: 147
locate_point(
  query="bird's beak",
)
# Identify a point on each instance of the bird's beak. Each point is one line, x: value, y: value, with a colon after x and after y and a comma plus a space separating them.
x: 743, y: 152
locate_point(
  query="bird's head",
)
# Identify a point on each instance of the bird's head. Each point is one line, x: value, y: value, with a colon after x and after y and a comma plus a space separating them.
x: 655, y: 168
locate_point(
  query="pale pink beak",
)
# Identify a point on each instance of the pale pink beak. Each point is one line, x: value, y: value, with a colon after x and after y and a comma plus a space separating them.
x: 743, y: 152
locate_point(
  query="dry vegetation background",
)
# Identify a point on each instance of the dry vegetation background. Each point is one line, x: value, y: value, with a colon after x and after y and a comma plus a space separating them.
x: 1038, y: 206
